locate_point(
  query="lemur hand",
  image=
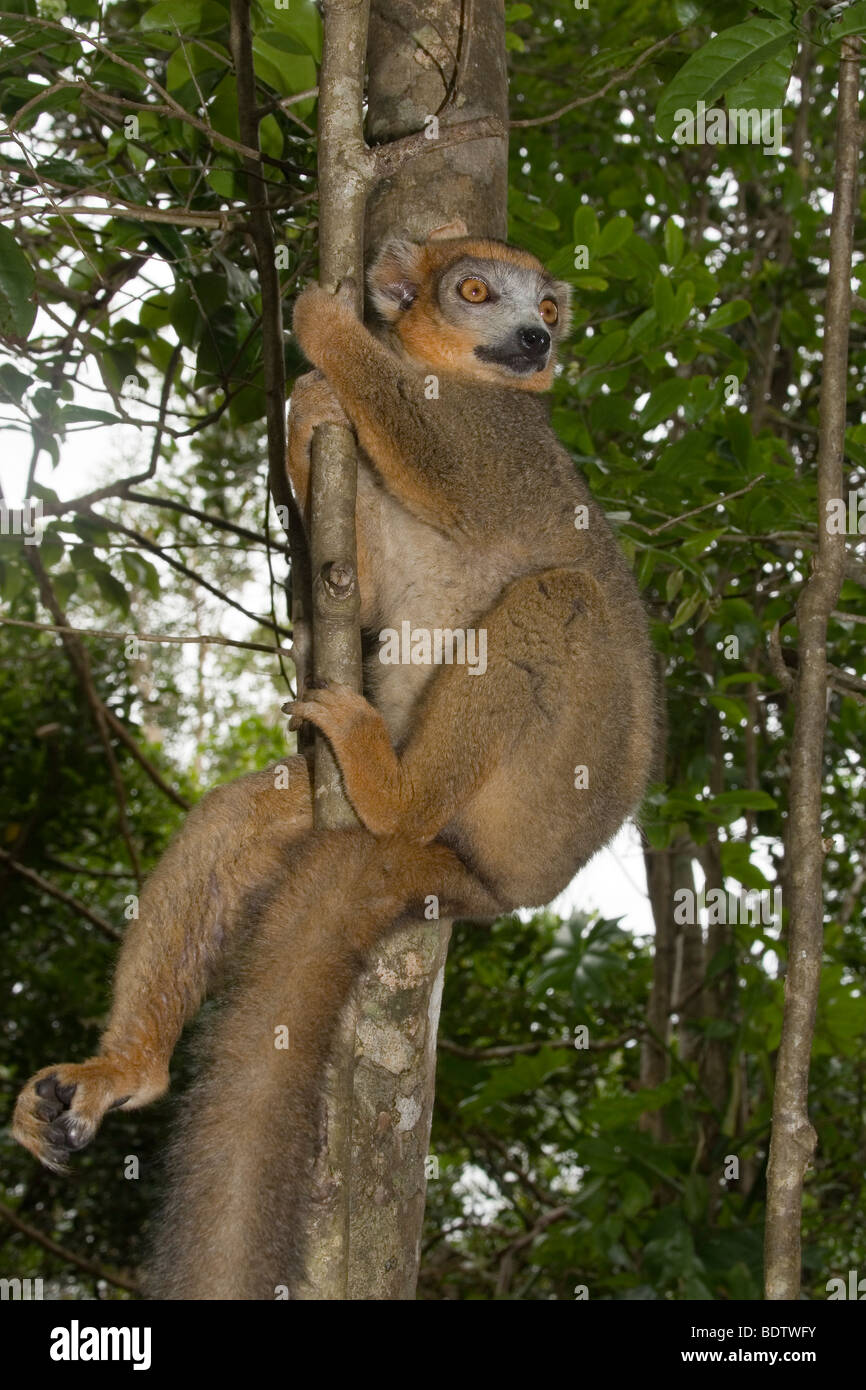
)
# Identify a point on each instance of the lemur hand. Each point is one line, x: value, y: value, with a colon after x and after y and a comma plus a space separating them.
x: 318, y: 316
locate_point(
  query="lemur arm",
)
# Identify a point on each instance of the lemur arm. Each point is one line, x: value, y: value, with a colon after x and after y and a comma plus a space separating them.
x: 400, y: 431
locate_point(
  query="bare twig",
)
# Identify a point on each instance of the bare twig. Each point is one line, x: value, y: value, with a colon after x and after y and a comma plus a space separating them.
x: 777, y: 660
x: 385, y: 160
x: 46, y: 887
x: 208, y: 221
x: 273, y: 360
x: 171, y: 107
x: 151, y: 546
x: 80, y: 663
x: 143, y: 761
x: 62, y: 1253
x: 173, y: 505
x: 615, y: 80
x: 169, y: 639
x: 716, y: 502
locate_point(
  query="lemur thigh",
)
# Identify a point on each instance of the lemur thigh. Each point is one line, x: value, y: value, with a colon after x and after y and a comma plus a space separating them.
x: 231, y: 842
x: 466, y: 723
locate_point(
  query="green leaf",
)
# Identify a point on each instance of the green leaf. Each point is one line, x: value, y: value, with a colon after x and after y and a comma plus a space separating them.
x: 726, y: 60
x: 743, y: 800
x: 695, y: 545
x: 532, y: 210
x: 853, y: 21
x: 663, y: 301
x: 729, y: 313
x: 523, y: 1076
x: 585, y: 958
x: 765, y: 88
x: 185, y: 16
x: 613, y: 235
x: 674, y: 242
x: 76, y: 414
x: 112, y: 590
x: 686, y: 609
x: 737, y: 864
x: 585, y: 227
x: 13, y: 383
x: 17, y: 306
x: 140, y: 571
x: 664, y: 401
x: 302, y: 21
x: 277, y: 43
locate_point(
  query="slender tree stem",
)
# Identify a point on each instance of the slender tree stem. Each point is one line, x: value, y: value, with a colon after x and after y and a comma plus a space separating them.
x: 793, y: 1138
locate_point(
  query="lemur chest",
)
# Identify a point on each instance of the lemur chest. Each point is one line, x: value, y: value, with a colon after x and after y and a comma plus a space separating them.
x: 424, y: 590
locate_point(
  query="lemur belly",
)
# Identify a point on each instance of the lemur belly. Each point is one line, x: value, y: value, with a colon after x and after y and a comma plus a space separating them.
x: 421, y: 577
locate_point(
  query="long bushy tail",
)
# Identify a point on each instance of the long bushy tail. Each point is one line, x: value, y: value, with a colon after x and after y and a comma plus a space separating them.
x: 241, y: 1166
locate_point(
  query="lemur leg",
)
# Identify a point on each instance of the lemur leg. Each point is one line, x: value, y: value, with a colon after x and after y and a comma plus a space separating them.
x: 232, y: 841
x: 466, y: 723
x: 233, y: 1223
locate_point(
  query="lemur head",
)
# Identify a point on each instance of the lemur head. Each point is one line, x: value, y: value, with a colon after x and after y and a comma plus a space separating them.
x: 481, y: 308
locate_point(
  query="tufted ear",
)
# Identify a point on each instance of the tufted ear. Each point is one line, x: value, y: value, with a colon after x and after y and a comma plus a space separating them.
x: 449, y: 230
x: 394, y: 278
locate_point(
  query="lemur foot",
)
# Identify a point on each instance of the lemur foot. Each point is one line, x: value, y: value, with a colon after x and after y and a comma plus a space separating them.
x: 61, y: 1108
x: 374, y: 779
x: 314, y: 403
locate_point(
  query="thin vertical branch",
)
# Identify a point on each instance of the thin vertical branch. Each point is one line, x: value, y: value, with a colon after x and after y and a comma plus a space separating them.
x: 273, y: 360
x: 793, y: 1138
x: 344, y: 177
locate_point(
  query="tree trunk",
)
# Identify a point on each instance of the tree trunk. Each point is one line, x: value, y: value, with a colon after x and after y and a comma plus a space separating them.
x: 366, y: 1236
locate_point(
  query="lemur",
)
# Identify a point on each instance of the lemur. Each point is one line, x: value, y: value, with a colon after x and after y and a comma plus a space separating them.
x: 488, y: 791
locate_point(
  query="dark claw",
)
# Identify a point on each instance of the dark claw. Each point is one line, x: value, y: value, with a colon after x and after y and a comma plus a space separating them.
x: 115, y: 1104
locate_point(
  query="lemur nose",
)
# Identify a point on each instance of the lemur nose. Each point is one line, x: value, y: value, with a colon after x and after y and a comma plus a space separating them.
x: 535, y: 341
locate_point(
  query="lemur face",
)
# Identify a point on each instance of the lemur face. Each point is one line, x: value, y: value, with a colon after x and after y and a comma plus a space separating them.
x: 512, y: 311
x: 480, y: 308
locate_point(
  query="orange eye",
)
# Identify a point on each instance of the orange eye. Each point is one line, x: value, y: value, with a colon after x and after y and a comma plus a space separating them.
x: 473, y: 290
x: 549, y: 311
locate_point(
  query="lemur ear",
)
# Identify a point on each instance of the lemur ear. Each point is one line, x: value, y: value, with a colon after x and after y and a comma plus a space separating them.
x: 449, y: 230
x: 394, y: 277
x: 563, y: 292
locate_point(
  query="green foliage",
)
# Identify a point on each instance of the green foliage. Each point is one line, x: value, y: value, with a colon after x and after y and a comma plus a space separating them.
x: 688, y: 394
